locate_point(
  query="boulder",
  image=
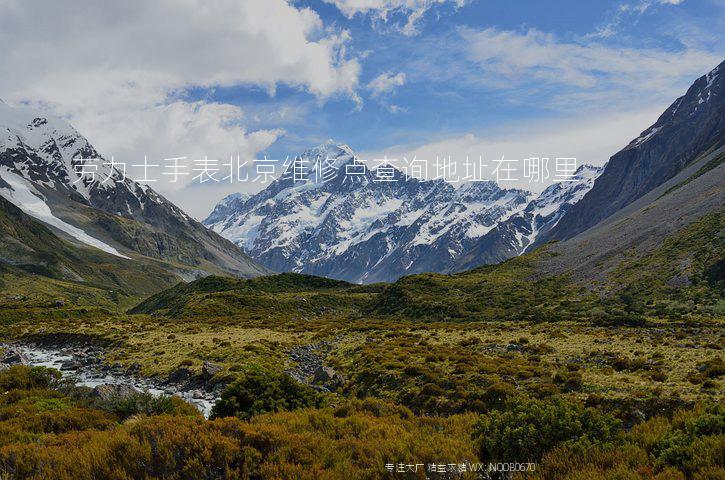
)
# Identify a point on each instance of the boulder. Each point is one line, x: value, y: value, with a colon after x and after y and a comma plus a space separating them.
x: 109, y: 391
x: 328, y: 378
x: 71, y: 365
x: 209, y: 369
x: 180, y: 375
x: 13, y: 356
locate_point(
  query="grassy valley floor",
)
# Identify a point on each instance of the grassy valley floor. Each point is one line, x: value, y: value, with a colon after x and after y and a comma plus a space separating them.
x: 324, y: 379
x: 412, y: 393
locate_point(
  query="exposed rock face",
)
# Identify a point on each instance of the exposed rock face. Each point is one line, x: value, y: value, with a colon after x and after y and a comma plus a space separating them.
x: 692, y: 125
x: 328, y: 378
x: 110, y: 391
x: 364, y: 230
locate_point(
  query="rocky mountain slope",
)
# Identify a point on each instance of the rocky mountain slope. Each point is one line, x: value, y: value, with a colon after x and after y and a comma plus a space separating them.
x: 691, y: 126
x: 39, y: 268
x: 363, y: 230
x: 518, y: 233
x: 630, y: 235
x: 54, y: 175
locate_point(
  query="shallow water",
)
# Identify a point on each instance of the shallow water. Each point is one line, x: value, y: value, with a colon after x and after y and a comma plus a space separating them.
x: 92, y: 377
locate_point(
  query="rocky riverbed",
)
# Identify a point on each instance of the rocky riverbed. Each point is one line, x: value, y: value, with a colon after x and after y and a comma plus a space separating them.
x: 84, y: 364
x: 308, y: 366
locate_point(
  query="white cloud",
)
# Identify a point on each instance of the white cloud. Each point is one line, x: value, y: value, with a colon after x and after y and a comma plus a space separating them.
x: 170, y: 44
x: 586, y: 70
x: 382, y: 10
x: 385, y: 83
x: 118, y: 70
x: 590, y: 140
x: 626, y: 11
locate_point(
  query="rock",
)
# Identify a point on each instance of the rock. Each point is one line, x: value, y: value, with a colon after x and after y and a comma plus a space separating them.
x: 181, y: 374
x: 134, y: 368
x: 328, y: 378
x: 323, y: 375
x: 109, y: 391
x: 14, y: 357
x: 209, y: 369
x: 71, y: 365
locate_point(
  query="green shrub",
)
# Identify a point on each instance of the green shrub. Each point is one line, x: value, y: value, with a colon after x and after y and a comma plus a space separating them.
x: 261, y: 392
x: 144, y: 403
x: 22, y: 377
x: 696, y: 440
x: 528, y: 429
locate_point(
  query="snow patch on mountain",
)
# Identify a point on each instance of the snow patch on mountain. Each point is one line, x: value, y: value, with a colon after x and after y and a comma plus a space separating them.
x: 368, y: 231
x: 24, y: 196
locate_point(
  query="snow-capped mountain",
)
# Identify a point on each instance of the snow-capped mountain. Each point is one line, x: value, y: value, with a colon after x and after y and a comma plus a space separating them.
x: 363, y: 230
x: 52, y: 173
x: 227, y: 207
x: 515, y: 235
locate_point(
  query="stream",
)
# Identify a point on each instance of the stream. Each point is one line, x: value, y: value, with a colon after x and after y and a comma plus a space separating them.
x: 94, y: 374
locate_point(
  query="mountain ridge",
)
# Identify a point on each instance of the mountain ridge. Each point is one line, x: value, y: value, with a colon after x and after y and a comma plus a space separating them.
x: 365, y: 230
x: 692, y: 124
x: 41, y: 163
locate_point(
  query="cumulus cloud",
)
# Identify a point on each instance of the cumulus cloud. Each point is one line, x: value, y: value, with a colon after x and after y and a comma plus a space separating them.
x: 382, y: 10
x: 119, y: 71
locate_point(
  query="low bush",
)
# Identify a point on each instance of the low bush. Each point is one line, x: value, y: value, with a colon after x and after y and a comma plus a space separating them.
x: 529, y: 428
x: 144, y: 403
x: 21, y: 377
x: 260, y: 392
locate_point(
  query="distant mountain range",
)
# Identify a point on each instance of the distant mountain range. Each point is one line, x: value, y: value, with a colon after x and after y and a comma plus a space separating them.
x: 659, y: 254
x: 375, y: 231
x: 123, y: 236
x: 42, y: 160
x: 369, y: 231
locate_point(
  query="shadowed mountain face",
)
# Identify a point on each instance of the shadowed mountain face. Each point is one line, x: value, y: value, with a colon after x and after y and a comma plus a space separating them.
x: 691, y: 126
x: 365, y: 230
x: 54, y: 175
x: 629, y: 235
x: 37, y: 267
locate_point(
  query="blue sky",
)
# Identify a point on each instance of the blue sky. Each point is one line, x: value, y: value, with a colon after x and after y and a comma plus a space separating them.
x: 445, y: 93
x: 388, y: 77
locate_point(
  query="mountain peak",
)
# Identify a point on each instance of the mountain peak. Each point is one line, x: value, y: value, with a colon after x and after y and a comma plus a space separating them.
x: 41, y: 160
x: 369, y: 231
x: 691, y: 125
x: 241, y: 196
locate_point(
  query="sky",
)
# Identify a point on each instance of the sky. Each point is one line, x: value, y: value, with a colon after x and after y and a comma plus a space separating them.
x: 192, y: 78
